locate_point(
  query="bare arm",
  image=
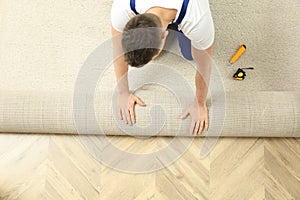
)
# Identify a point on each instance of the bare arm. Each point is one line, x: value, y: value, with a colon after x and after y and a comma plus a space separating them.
x: 203, y: 59
x: 120, y: 65
x: 126, y: 100
x: 198, y: 109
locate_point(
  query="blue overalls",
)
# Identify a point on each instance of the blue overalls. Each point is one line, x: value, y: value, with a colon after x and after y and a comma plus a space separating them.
x: 184, y: 42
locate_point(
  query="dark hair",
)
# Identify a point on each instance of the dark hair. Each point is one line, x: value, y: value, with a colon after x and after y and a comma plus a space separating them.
x: 141, y: 39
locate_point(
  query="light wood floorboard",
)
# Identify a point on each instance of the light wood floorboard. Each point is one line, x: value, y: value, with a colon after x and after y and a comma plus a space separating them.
x: 34, y: 167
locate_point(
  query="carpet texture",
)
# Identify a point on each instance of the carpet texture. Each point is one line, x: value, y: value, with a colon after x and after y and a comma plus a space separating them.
x: 45, y: 44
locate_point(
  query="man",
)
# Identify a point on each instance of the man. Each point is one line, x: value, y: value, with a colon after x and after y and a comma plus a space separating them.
x: 196, y: 36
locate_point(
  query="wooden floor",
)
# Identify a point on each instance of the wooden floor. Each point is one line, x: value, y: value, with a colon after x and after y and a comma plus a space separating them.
x: 34, y: 167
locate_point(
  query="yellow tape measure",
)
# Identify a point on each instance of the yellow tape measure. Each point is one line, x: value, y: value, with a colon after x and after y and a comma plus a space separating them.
x: 240, y: 74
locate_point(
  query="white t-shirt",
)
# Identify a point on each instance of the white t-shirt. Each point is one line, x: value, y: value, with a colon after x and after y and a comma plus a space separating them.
x: 197, y: 24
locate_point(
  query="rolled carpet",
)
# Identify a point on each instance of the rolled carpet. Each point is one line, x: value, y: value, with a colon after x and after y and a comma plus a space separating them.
x: 247, y: 114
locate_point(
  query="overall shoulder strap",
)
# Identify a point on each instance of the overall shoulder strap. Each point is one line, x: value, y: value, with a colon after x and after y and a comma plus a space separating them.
x: 182, y: 12
x: 132, y: 6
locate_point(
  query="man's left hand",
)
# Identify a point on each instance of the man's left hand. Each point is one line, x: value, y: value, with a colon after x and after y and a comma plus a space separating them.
x: 199, y: 115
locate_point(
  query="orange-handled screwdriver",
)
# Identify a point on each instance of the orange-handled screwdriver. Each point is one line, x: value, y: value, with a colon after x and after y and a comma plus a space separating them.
x: 238, y: 54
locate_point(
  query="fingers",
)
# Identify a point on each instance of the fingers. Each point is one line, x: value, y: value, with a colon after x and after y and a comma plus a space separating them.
x: 140, y: 102
x: 206, y: 125
x: 120, y: 114
x: 126, y: 109
x: 126, y: 116
x: 193, y: 123
x: 132, y: 114
x: 128, y: 119
x: 196, y: 128
x: 123, y: 116
x: 184, y: 115
x: 201, y: 127
x: 131, y: 107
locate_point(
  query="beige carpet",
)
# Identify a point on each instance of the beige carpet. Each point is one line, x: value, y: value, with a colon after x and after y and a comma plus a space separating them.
x: 43, y: 45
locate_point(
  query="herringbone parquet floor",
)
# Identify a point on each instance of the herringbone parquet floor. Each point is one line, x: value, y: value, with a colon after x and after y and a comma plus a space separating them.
x: 34, y: 167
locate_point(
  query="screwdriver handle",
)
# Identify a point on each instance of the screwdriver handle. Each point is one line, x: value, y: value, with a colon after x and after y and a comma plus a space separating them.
x: 238, y: 54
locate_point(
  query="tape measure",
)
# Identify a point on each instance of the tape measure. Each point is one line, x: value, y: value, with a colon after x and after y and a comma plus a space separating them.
x: 240, y: 74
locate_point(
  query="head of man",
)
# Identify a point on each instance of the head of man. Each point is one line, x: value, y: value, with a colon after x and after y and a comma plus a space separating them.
x: 143, y: 39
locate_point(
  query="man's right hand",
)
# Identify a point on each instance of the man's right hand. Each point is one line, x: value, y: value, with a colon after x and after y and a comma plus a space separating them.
x: 126, y: 103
